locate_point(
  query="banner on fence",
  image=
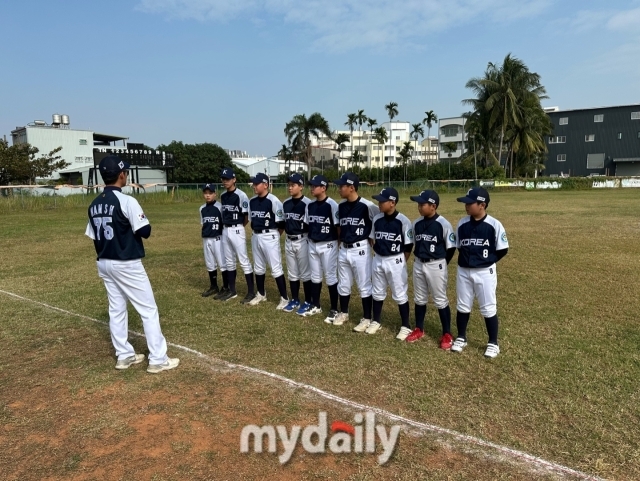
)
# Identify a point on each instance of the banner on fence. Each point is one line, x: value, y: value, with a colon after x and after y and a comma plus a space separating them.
x: 543, y: 185
x: 487, y: 183
x: 509, y: 183
x: 606, y: 184
x: 630, y: 182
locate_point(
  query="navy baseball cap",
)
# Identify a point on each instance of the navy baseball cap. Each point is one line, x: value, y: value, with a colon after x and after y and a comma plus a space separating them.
x: 477, y: 194
x: 348, y: 178
x: 260, y: 178
x: 112, y: 165
x: 319, y: 180
x: 386, y: 194
x: 227, y: 173
x: 210, y: 186
x: 296, y: 179
x: 427, y: 197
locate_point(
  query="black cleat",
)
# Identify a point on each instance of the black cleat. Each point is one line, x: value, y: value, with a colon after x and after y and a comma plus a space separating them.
x: 222, y: 293
x: 211, y: 291
x: 248, y: 298
x: 228, y: 295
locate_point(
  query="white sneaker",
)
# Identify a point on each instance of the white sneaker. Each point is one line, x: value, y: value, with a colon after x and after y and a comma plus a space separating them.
x: 129, y: 361
x: 313, y: 311
x: 459, y: 344
x: 283, y: 303
x: 492, y: 350
x: 341, y: 318
x: 165, y: 366
x: 404, y: 333
x: 331, y: 317
x: 364, y: 323
x: 258, y: 299
x: 373, y: 328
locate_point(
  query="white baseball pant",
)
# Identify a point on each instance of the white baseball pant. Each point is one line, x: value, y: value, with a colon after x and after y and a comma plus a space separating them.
x: 355, y: 262
x: 266, y: 251
x: 389, y: 271
x: 297, y: 256
x: 431, y: 278
x: 480, y: 283
x: 128, y: 281
x: 323, y: 259
x: 234, y: 243
x: 214, y: 253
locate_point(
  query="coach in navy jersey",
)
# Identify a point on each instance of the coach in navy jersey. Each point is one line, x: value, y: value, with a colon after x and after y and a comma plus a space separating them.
x: 117, y: 226
x: 354, y: 259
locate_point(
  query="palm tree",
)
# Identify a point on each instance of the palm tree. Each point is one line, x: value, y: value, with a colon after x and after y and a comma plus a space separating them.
x: 352, y: 120
x: 371, y: 123
x: 286, y: 154
x: 405, y: 155
x: 361, y: 118
x: 450, y: 148
x: 430, y: 119
x: 380, y: 134
x: 340, y: 139
x: 301, y: 129
x: 416, y: 131
x: 392, y: 111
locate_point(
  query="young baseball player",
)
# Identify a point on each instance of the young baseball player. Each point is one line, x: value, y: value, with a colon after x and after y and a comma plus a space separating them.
x: 435, y: 245
x: 354, y: 259
x: 267, y: 223
x: 393, y: 240
x: 322, y: 218
x: 235, y: 207
x: 296, y: 247
x: 481, y: 242
x: 117, y: 226
x: 211, y: 221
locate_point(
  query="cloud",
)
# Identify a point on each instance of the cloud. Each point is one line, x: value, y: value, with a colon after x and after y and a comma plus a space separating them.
x: 341, y: 25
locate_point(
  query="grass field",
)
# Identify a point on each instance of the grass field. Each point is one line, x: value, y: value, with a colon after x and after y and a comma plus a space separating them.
x: 565, y: 386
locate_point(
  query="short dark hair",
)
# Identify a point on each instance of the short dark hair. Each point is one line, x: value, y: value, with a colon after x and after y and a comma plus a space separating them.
x: 110, y: 180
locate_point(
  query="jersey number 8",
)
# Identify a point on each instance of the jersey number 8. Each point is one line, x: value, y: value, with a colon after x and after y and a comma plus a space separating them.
x: 485, y: 253
x: 104, y: 223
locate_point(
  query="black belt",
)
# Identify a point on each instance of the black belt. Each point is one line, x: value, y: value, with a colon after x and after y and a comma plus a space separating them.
x: 355, y: 244
x: 214, y: 238
x: 231, y: 225
x: 296, y: 237
x: 263, y: 231
x: 424, y: 261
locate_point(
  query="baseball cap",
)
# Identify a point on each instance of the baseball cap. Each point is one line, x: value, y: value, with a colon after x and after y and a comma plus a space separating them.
x: 209, y: 186
x: 296, y: 179
x: 227, y: 173
x: 319, y: 180
x: 348, y: 178
x: 386, y: 194
x: 427, y: 197
x: 260, y: 178
x: 111, y: 166
x: 477, y: 194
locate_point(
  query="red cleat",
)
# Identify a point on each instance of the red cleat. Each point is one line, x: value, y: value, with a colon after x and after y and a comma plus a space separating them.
x: 446, y: 342
x: 415, y: 335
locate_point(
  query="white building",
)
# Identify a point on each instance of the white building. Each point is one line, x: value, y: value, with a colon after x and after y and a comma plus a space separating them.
x: 452, y: 131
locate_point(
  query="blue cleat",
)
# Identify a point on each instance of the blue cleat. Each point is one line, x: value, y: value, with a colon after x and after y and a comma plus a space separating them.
x: 293, y: 305
x: 304, y: 309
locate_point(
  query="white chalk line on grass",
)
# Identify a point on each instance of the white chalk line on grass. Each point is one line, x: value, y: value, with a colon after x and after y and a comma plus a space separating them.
x: 464, y: 438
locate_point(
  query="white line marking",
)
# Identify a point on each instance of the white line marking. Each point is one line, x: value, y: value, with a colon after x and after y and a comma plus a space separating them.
x: 464, y: 438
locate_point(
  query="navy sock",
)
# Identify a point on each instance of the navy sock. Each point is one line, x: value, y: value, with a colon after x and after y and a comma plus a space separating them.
x: 344, y: 303
x: 232, y: 280
x: 377, y: 310
x: 404, y: 314
x: 445, y: 320
x: 307, y: 287
x: 462, y: 319
x: 317, y: 289
x: 249, y: 278
x: 295, y: 289
x: 260, y: 278
x: 282, y: 286
x: 366, y: 307
x: 492, y: 328
x: 225, y: 280
x: 213, y: 279
x: 333, y: 296
x: 421, y: 312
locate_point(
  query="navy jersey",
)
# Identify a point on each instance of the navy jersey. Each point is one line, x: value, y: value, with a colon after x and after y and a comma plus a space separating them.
x: 294, y: 215
x: 391, y: 233
x: 433, y: 237
x: 478, y: 241
x: 322, y: 218
x: 211, y: 219
x: 114, y: 218
x: 265, y: 212
x: 234, y: 205
x: 356, y: 219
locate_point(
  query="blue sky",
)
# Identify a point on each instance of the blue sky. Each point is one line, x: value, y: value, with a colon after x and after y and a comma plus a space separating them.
x: 234, y: 72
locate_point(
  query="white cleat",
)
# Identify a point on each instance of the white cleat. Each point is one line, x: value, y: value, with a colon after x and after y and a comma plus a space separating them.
x: 373, y: 328
x: 258, y: 299
x: 459, y: 344
x: 282, y: 304
x: 362, y: 326
x: 492, y: 351
x: 341, y: 318
x: 404, y: 333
